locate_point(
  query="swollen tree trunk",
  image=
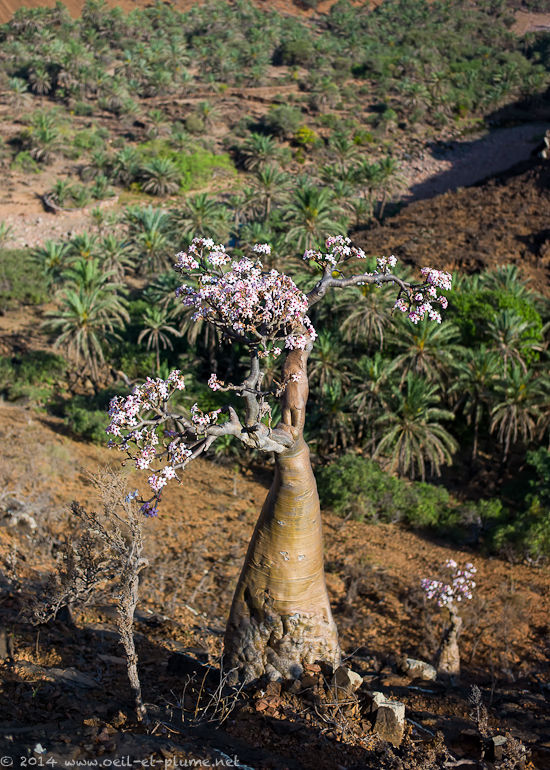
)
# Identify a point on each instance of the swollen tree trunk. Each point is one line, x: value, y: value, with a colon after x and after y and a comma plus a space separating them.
x: 280, y: 617
x: 448, y: 657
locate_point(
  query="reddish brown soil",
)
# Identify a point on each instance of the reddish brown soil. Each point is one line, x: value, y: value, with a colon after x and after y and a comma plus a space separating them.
x: 8, y: 7
x: 195, y: 549
x: 504, y: 220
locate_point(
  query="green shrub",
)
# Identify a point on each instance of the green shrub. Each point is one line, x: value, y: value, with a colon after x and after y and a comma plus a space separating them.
x: 24, y: 162
x: 193, y: 169
x: 88, y: 424
x: 87, y: 416
x: 283, y: 120
x: 194, y: 124
x: 83, y: 109
x: 89, y: 139
x: 357, y: 487
x: 473, y: 311
x: 21, y: 283
x: 32, y: 376
x: 299, y: 52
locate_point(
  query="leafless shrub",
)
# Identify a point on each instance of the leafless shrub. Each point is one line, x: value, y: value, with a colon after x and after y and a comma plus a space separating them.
x: 203, y: 701
x: 478, y: 713
x: 108, y: 555
x: 515, y: 755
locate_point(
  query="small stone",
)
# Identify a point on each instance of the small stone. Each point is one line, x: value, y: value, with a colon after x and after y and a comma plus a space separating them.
x: 376, y: 698
x: 273, y: 688
x: 419, y: 669
x: 309, y: 681
x: 345, y: 682
x: 390, y: 721
x: 294, y: 686
x: 497, y: 747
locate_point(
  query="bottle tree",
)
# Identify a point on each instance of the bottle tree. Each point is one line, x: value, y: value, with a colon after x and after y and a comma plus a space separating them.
x: 280, y: 617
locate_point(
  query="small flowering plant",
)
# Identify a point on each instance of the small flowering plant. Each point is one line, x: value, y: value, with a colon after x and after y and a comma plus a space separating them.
x: 460, y: 587
x: 266, y: 312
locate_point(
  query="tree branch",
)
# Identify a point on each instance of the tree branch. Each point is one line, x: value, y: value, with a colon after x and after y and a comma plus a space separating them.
x: 329, y: 282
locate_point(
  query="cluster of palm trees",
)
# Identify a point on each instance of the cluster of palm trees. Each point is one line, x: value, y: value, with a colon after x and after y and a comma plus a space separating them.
x: 413, y: 396
x: 433, y: 65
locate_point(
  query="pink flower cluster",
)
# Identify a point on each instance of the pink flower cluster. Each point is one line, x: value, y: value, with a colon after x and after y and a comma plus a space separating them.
x: 214, y: 383
x: 339, y: 249
x: 134, y: 424
x: 421, y: 303
x: 149, y: 396
x: 460, y: 588
x: 244, y: 300
x: 262, y: 248
x: 386, y: 264
x: 437, y: 278
x: 202, y: 420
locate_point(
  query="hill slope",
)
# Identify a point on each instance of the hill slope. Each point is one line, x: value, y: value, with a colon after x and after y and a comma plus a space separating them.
x: 195, y: 549
x: 502, y: 220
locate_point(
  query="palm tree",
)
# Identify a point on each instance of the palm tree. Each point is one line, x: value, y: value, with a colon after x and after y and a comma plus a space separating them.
x: 162, y: 293
x: 84, y: 246
x: 475, y: 374
x: 84, y: 321
x: 370, y: 384
x: 271, y: 186
x: 523, y: 406
x: 52, y: 258
x: 148, y: 233
x: 368, y: 177
x: 160, y: 177
x: 328, y: 364
x: 116, y: 255
x: 427, y: 349
x: 203, y: 215
x: 507, y: 338
x: 208, y: 112
x: 310, y: 215
x: 365, y: 314
x: 40, y: 79
x: 343, y: 150
x: 413, y: 437
x: 89, y: 275
x: 506, y: 278
x: 389, y: 181
x: 125, y: 166
x: 334, y: 419
x: 258, y: 150
x: 19, y: 91
x: 157, y: 331
x: 42, y: 141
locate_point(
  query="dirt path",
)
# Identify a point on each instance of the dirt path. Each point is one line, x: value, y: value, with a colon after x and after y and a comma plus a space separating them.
x: 463, y: 163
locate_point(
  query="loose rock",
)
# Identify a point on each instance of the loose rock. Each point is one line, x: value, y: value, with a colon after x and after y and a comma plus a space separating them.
x: 345, y: 682
x: 390, y: 721
x: 419, y: 669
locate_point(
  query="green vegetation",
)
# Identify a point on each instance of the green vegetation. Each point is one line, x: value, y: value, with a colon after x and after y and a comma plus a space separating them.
x: 355, y: 91
x: 34, y: 376
x: 20, y: 282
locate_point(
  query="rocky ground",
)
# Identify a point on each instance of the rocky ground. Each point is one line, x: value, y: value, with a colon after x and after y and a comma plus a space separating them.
x: 64, y: 686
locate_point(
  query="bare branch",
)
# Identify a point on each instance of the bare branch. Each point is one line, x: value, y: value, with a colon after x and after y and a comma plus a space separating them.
x: 329, y: 282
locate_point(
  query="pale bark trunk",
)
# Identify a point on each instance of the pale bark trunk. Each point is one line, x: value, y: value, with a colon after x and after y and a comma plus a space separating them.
x: 280, y: 617
x: 448, y: 658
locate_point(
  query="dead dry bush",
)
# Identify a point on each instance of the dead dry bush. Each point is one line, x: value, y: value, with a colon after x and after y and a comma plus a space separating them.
x: 104, y: 557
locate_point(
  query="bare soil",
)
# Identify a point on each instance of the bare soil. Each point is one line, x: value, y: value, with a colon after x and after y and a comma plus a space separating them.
x: 503, y: 220
x: 195, y: 548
